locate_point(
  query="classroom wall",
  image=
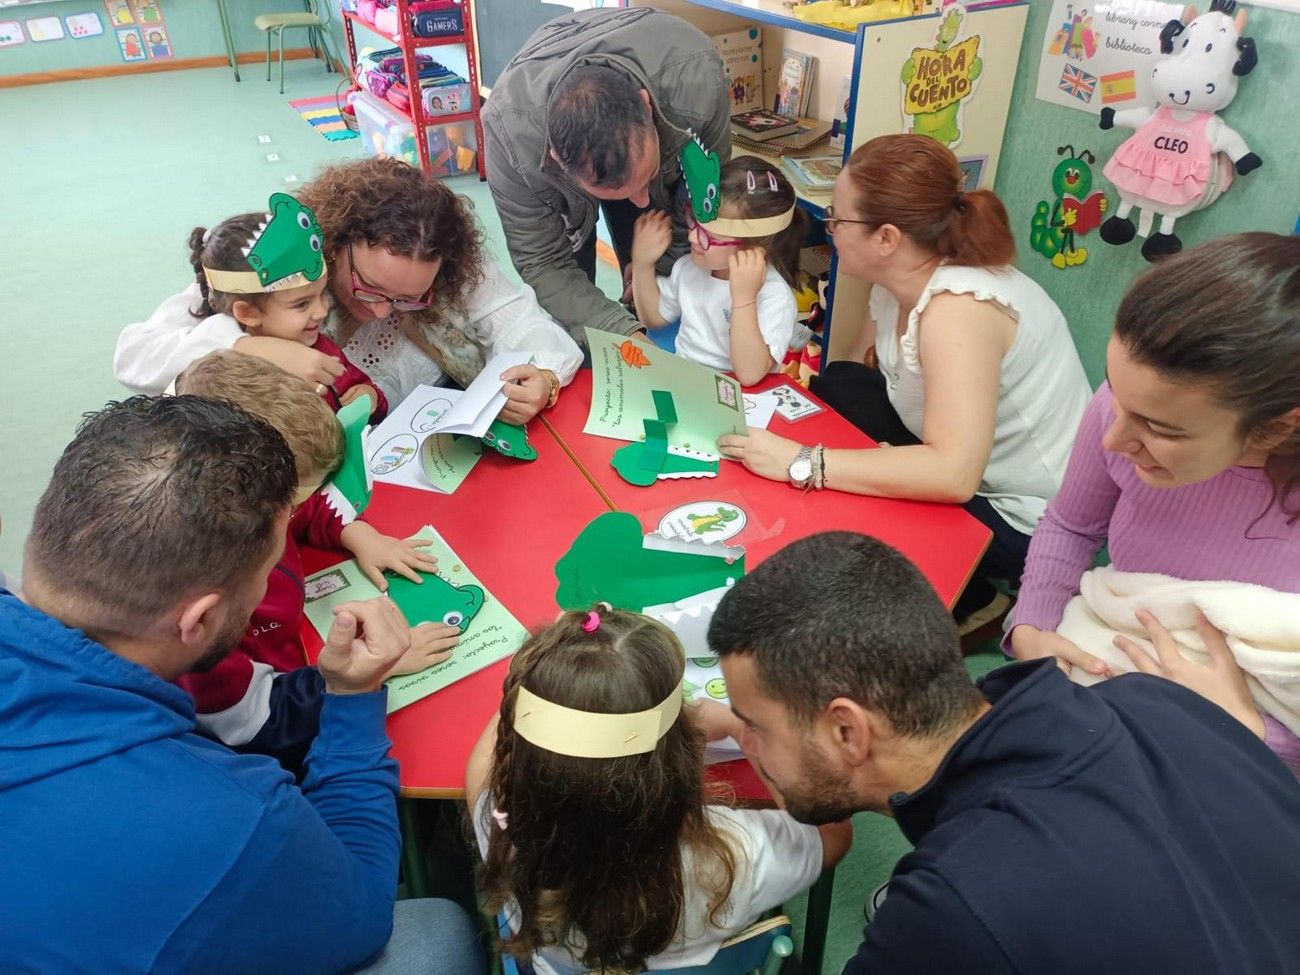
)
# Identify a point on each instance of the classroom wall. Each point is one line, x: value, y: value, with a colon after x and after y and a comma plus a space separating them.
x: 193, y: 26
x: 1267, y: 199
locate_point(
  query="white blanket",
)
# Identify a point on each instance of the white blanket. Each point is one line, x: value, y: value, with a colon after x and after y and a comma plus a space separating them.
x: 1262, y: 628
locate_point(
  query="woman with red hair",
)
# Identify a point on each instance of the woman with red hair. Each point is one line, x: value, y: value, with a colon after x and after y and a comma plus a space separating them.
x: 964, y: 365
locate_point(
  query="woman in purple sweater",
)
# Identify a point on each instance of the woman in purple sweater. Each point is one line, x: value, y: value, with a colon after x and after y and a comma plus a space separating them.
x: 1187, y: 462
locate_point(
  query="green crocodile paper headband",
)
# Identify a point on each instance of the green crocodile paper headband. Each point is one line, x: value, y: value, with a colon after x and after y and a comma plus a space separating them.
x: 286, y: 251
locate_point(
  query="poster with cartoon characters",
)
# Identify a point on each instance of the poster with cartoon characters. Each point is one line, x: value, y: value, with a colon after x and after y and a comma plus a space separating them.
x: 1099, y: 54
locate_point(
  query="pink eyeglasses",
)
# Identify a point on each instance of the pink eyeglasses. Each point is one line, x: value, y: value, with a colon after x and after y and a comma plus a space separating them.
x: 706, y: 239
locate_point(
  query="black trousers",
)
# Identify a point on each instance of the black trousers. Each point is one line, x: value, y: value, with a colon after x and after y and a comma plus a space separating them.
x: 857, y: 392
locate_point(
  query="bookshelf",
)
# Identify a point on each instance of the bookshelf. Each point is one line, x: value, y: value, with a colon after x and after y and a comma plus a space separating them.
x: 873, y: 57
x: 410, y: 44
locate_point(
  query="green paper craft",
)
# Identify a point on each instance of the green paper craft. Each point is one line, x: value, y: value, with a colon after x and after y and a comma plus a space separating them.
x: 651, y: 459
x: 488, y: 631
x: 447, y: 459
x: 611, y: 561
x: 352, y: 481
x: 286, y: 250
x: 702, y: 171
x: 435, y: 600
x: 625, y: 377
x: 509, y: 440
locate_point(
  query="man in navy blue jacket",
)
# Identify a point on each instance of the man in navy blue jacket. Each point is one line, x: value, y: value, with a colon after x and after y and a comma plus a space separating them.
x: 1129, y: 827
x: 129, y: 842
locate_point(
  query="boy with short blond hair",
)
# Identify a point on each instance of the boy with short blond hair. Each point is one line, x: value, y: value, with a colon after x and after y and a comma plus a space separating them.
x: 263, y: 697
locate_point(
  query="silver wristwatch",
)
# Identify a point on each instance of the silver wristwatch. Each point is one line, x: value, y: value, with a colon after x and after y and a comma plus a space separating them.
x: 801, y: 469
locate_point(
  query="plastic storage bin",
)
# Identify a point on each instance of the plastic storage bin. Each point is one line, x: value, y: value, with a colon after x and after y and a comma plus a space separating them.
x: 386, y: 131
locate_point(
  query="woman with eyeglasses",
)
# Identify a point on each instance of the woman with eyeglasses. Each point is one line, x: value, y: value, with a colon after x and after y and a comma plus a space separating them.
x: 416, y: 299
x: 964, y: 366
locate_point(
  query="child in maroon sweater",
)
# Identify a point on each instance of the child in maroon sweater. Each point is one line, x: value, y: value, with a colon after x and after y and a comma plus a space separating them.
x: 292, y: 307
x: 263, y: 697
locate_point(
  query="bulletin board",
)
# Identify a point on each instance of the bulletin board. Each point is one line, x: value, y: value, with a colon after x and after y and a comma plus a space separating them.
x: 979, y: 121
x: 1266, y: 199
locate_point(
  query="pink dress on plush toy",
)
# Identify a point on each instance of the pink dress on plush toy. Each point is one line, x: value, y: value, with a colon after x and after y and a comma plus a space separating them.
x: 1166, y: 160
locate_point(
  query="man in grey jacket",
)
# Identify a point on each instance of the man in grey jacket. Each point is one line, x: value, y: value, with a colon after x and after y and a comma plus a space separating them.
x: 595, y: 109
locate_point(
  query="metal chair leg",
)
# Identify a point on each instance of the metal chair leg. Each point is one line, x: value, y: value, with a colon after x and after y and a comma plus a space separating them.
x: 268, y: 55
x: 281, y: 60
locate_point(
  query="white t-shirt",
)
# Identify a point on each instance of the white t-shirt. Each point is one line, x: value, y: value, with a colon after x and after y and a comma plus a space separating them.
x: 703, y: 303
x: 1041, y: 395
x: 776, y: 858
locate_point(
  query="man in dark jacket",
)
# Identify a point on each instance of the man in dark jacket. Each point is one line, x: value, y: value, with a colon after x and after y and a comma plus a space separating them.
x: 1129, y: 827
x: 129, y: 842
x: 594, y: 110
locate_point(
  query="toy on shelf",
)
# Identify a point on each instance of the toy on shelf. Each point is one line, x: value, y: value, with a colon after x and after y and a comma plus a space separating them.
x: 1181, y: 157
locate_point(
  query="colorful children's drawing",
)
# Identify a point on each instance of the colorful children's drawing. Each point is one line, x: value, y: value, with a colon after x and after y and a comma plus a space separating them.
x: 938, y: 80
x: 11, y: 33
x: 84, y: 25
x: 160, y: 45
x: 1074, y: 212
x: 119, y: 14
x: 45, y: 29
x: 146, y: 12
x: 131, y: 44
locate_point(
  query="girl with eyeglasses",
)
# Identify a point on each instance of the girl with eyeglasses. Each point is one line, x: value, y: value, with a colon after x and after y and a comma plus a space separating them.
x: 732, y: 292
x: 964, y: 365
x: 416, y: 299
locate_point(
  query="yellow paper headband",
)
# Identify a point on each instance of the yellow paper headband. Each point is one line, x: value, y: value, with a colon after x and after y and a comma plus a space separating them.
x: 586, y: 734
x: 751, y: 226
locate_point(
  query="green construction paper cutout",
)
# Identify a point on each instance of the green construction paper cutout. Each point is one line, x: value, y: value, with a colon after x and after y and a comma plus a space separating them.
x: 702, y: 171
x: 352, y: 478
x: 289, y: 243
x: 509, y: 440
x: 646, y: 461
x: 435, y: 600
x: 609, y: 562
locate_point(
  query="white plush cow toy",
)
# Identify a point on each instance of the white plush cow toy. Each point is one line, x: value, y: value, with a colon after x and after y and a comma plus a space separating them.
x: 1181, y: 156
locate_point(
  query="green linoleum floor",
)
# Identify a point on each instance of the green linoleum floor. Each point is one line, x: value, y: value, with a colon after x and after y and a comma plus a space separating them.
x: 101, y: 189
x: 100, y: 192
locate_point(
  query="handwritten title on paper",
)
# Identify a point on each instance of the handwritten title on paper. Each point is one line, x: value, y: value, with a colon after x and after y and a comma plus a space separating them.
x: 612, y: 407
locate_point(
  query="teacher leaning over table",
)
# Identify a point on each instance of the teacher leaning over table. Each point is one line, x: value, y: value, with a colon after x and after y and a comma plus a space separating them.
x: 964, y: 365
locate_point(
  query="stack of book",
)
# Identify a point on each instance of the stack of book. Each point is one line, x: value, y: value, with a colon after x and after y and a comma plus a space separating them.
x: 764, y: 131
x: 815, y: 173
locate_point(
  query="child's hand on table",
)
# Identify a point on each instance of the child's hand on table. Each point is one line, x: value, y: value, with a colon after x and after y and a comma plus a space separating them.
x: 748, y: 269
x: 293, y: 357
x: 375, y: 553
x: 431, y: 643
x: 356, y: 392
x: 652, y: 235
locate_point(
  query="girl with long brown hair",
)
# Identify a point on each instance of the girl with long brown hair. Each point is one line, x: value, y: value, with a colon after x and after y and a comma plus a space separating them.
x: 964, y: 364
x: 416, y: 300
x: 589, y: 807
x: 1187, y: 462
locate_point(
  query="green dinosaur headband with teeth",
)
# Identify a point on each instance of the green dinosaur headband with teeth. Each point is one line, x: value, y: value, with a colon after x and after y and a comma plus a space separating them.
x: 286, y: 251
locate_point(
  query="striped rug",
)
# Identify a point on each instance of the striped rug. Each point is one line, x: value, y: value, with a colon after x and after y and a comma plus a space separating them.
x: 323, y: 114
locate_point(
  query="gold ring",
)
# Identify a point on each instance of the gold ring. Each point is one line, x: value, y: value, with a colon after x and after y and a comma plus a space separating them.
x: 320, y: 389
